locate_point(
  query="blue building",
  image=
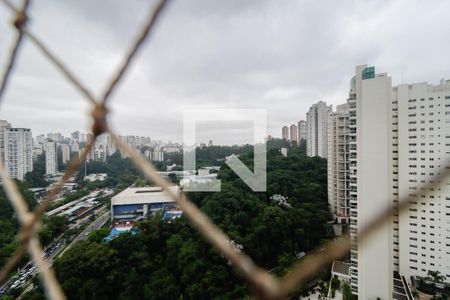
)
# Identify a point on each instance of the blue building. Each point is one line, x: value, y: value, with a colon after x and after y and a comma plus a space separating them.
x: 135, y: 203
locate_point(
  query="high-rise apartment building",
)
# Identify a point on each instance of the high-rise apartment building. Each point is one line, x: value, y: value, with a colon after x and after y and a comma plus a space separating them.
x: 154, y: 155
x: 40, y: 139
x: 370, y: 192
x: 293, y: 134
x: 57, y: 137
x: 338, y: 164
x: 75, y: 135
x: 74, y: 147
x: 285, y: 133
x: 110, y: 146
x: 396, y: 139
x: 316, y: 129
x: 98, y: 152
x: 51, y: 158
x: 301, y: 126
x: 65, y: 152
x: 421, y: 148
x: 17, y: 151
x: 3, y: 124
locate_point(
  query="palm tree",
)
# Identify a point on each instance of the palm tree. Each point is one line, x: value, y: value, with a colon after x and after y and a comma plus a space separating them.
x: 436, y: 277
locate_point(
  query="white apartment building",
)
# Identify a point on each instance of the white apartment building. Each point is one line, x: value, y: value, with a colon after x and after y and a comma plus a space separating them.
x: 51, y: 158
x: 301, y: 130
x: 421, y: 147
x: 396, y: 139
x: 316, y: 129
x: 154, y: 155
x: 40, y: 139
x: 3, y: 124
x: 74, y: 147
x: 17, y: 151
x: 285, y: 133
x: 98, y: 152
x: 65, y: 151
x: 338, y: 164
x: 293, y: 134
x: 370, y: 182
x: 110, y: 146
x: 57, y: 137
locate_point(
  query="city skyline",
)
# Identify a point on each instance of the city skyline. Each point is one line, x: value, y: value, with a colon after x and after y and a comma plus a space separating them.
x: 307, y: 143
x: 283, y: 76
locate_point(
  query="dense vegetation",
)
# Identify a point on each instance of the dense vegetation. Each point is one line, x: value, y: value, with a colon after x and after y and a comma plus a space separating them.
x: 172, y: 261
x: 36, y: 177
x: 9, y: 223
x: 121, y: 172
x: 215, y: 155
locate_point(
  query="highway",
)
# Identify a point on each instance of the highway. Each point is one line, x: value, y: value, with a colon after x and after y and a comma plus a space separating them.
x: 58, y: 246
x: 27, y: 273
x: 97, y: 224
x: 51, y: 252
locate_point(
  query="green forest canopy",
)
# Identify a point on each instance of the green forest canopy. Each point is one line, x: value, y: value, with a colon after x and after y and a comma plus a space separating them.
x: 172, y: 261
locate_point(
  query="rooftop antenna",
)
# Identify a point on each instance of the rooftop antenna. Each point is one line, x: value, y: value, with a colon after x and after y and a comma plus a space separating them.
x: 403, y: 75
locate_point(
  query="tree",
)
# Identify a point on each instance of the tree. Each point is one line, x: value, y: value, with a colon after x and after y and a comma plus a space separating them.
x: 436, y: 276
x: 97, y: 236
x: 53, y: 227
x: 172, y: 260
x: 173, y: 177
x: 9, y: 223
x: 88, y: 271
x: 36, y: 178
x: 347, y: 292
x: 335, y: 283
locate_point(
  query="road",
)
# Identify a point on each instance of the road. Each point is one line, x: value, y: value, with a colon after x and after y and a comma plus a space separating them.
x: 54, y: 249
x: 25, y: 274
x: 57, y: 247
x: 97, y: 224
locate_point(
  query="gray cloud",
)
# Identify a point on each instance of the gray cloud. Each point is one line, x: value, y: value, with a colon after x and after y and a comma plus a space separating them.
x: 279, y: 55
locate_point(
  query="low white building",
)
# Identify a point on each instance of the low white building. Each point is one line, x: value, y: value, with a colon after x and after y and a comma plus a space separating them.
x: 135, y: 203
x: 95, y: 177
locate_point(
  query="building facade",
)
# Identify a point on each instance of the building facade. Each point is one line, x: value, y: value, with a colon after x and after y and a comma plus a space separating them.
x: 338, y: 164
x: 65, y: 152
x: 51, y: 158
x: 316, y: 129
x: 293, y: 134
x: 383, y: 145
x: 421, y: 147
x: 370, y: 182
x: 17, y: 151
x: 3, y: 124
x: 135, y: 203
x: 285, y: 133
x: 301, y: 126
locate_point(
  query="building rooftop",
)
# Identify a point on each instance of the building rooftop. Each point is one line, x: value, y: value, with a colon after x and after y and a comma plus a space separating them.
x: 137, y: 195
x: 341, y: 268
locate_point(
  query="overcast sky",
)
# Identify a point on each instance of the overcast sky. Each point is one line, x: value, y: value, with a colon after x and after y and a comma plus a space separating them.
x: 282, y: 56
